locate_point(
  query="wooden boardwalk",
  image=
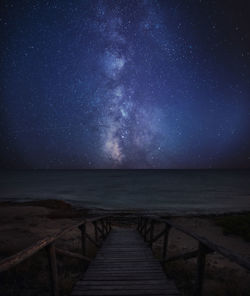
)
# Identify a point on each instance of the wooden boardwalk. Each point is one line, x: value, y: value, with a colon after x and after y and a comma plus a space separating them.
x: 124, y: 266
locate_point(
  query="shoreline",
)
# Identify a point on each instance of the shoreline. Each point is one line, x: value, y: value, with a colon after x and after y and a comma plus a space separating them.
x: 126, y: 211
x: 161, y: 192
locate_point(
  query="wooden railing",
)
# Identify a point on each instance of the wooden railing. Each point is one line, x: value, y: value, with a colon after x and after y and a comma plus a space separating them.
x: 146, y: 226
x: 102, y: 226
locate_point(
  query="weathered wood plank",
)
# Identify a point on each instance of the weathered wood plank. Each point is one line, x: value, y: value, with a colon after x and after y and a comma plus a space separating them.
x: 129, y: 276
x: 126, y: 266
x: 133, y: 273
x: 126, y: 282
x: 126, y: 288
x: 122, y: 260
x: 130, y: 261
x: 124, y: 293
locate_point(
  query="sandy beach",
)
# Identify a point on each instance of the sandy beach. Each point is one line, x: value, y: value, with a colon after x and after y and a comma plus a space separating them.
x: 23, y: 224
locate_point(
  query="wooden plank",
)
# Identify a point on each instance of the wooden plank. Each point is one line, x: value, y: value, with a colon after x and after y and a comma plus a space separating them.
x: 121, y: 267
x: 127, y: 266
x: 126, y: 260
x: 126, y: 287
x: 124, y: 256
x: 123, y: 252
x: 125, y: 275
x: 129, y: 260
x: 124, y: 265
x: 124, y: 292
x: 119, y: 289
x: 123, y: 248
x: 131, y: 272
x: 125, y: 282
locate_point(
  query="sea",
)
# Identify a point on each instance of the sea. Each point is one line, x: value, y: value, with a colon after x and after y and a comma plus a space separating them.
x: 168, y: 191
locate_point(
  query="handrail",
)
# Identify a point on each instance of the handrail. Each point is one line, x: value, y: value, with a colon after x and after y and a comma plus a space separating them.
x: 205, y: 247
x: 17, y: 258
x: 211, y: 245
x: 215, y: 247
x: 48, y: 242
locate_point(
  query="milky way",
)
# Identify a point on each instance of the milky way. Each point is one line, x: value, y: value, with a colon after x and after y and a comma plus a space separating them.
x: 125, y: 84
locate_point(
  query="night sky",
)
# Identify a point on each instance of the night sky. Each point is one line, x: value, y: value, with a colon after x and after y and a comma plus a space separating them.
x: 125, y: 84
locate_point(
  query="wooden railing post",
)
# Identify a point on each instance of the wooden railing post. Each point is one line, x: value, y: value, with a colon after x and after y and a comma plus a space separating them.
x: 165, y: 242
x: 148, y: 230
x: 140, y: 224
x: 110, y: 224
x: 201, y: 261
x: 83, y: 236
x: 106, y: 226
x: 152, y: 232
x: 145, y: 229
x: 53, y: 269
x: 103, y: 228
x: 143, y: 225
x: 96, y: 233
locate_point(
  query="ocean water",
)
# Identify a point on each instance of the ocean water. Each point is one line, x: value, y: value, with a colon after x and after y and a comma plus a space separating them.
x: 170, y: 191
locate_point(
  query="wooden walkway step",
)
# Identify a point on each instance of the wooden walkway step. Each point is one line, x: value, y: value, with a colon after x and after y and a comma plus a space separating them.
x: 125, y: 266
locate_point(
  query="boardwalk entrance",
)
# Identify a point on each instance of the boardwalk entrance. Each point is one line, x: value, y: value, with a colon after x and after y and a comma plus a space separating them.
x: 124, y: 266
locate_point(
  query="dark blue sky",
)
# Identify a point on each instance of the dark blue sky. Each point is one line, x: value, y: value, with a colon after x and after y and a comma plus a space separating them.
x: 125, y: 84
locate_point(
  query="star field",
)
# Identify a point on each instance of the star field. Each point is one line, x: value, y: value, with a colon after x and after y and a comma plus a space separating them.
x: 125, y: 84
